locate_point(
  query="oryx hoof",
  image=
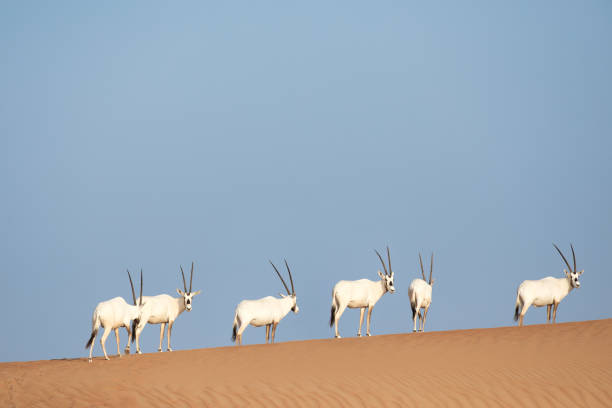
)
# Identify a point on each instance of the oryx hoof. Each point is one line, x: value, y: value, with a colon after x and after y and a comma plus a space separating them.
x: 106, y: 358
x: 368, y: 334
x: 90, y: 360
x: 139, y: 352
x: 358, y: 334
x: 169, y: 349
x: 160, y: 350
x: 414, y: 331
x: 338, y: 337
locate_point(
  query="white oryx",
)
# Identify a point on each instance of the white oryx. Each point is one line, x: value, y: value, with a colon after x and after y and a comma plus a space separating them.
x: 547, y: 292
x: 419, y: 294
x: 267, y: 311
x: 113, y: 314
x: 162, y: 309
x: 361, y: 293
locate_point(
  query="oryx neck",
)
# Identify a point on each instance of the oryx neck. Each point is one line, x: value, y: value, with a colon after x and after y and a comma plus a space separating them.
x: 181, y: 304
x: 384, y: 286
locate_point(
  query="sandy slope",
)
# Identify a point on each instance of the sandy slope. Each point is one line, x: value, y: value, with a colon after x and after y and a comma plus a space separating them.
x: 562, y: 365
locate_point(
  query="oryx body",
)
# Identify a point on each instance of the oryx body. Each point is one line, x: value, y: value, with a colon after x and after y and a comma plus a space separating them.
x: 112, y: 315
x: 164, y: 309
x: 362, y: 294
x: 267, y: 311
x: 547, y: 292
x: 419, y: 294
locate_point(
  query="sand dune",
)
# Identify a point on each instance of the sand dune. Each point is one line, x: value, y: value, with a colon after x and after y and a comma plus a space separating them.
x: 566, y: 364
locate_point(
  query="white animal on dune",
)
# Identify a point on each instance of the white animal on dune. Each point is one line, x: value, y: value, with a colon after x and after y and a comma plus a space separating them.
x: 162, y: 309
x: 113, y: 314
x: 267, y: 311
x: 362, y: 293
x: 547, y: 292
x: 419, y: 294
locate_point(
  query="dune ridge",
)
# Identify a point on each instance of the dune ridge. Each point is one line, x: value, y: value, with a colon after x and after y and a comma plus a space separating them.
x: 567, y: 364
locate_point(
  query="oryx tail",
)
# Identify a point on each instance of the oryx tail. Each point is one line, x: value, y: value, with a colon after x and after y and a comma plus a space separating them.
x: 95, y: 326
x: 333, y: 314
x: 234, y: 327
x: 516, y: 308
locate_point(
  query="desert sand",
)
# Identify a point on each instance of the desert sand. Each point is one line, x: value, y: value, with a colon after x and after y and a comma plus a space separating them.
x: 567, y: 364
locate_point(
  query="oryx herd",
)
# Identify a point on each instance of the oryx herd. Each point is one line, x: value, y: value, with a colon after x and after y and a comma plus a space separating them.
x: 269, y: 311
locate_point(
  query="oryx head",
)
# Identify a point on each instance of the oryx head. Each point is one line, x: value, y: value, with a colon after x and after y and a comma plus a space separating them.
x: 187, y: 294
x: 388, y: 275
x: 431, y: 281
x: 291, y: 293
x: 133, y: 292
x: 136, y: 320
x: 573, y: 274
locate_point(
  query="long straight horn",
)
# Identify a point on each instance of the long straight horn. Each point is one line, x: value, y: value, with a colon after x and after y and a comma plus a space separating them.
x: 422, y: 270
x: 290, y: 278
x: 140, y: 288
x: 281, y: 278
x: 431, y: 268
x: 132, y: 285
x: 191, y: 277
x: 381, y: 261
x: 389, y: 260
x: 561, y: 253
x: 183, y: 273
x: 574, y: 255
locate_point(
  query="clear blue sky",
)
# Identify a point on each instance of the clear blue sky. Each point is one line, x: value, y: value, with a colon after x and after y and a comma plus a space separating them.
x: 153, y: 134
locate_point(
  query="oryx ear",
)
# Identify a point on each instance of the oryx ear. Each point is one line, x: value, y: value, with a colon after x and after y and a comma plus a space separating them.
x: 180, y: 292
x: 432, y: 281
x: 566, y: 273
x: 381, y: 274
x: 196, y: 293
x: 580, y: 273
x: 281, y: 295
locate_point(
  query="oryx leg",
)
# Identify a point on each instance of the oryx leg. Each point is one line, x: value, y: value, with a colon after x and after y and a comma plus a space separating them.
x: 93, y: 341
x: 267, y: 332
x: 117, y: 338
x: 414, y: 315
x: 548, y: 313
x: 274, y: 330
x: 361, y: 311
x: 243, y: 326
x: 523, y: 312
x: 369, y: 319
x: 170, y: 324
x: 420, y: 319
x: 129, y: 333
x: 424, y: 318
x: 339, y: 312
x: 556, y: 305
x: 139, y: 330
x: 107, y: 331
x: 162, y: 326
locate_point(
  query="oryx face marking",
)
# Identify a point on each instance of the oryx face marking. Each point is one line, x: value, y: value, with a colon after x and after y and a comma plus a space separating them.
x: 574, y: 279
x: 389, y: 283
x: 187, y: 297
x: 295, y: 309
